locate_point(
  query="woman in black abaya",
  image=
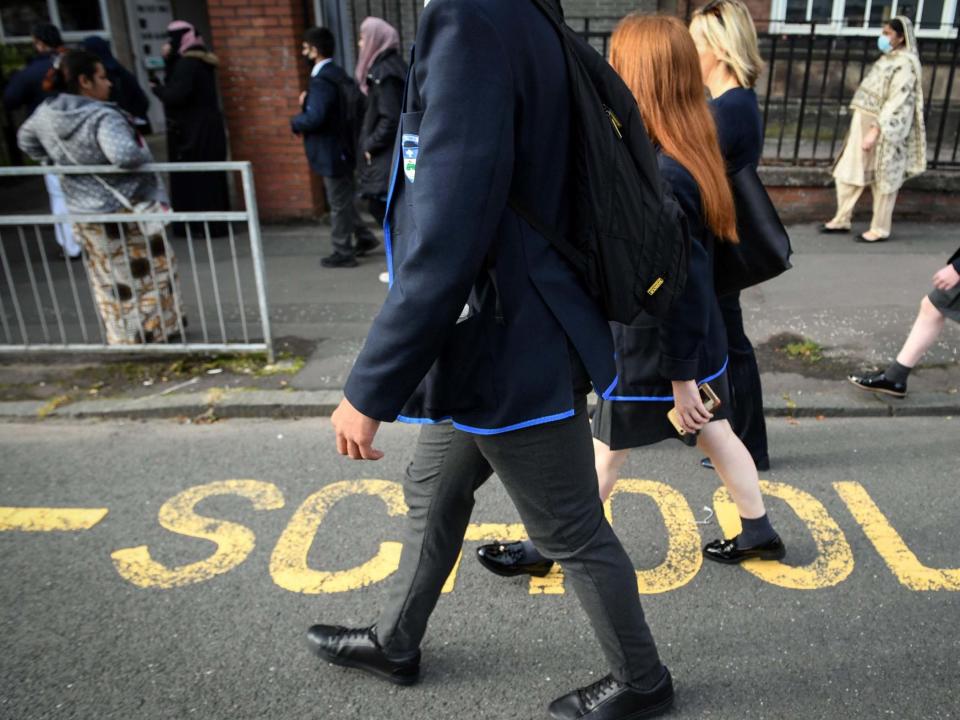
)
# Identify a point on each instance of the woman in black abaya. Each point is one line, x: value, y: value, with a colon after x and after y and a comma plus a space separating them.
x: 195, y: 131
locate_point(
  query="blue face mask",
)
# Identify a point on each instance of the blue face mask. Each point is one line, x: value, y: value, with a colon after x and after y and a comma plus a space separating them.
x: 883, y: 42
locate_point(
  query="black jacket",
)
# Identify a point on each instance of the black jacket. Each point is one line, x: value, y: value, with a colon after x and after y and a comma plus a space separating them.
x: 26, y: 86
x: 690, y: 343
x: 319, y: 124
x: 487, y: 113
x: 194, y: 122
x: 955, y: 260
x: 380, y: 123
x: 125, y: 90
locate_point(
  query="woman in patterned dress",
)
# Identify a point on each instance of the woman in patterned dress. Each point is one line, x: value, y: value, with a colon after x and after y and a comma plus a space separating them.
x: 886, y: 143
x: 131, y: 266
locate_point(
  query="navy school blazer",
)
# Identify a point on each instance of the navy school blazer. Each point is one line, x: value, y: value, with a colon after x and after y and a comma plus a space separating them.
x: 482, y: 311
x: 690, y: 342
x: 319, y: 124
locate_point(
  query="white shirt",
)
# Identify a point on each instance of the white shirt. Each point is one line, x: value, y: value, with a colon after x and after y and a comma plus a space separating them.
x: 319, y: 66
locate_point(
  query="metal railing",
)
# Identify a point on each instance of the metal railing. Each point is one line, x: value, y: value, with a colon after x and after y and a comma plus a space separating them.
x: 809, y: 80
x: 44, y: 306
x: 807, y: 85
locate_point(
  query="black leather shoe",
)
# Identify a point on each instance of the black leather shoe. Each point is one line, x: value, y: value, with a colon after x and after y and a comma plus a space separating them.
x: 358, y: 648
x: 339, y: 260
x: 879, y: 383
x: 762, y: 465
x: 832, y: 231
x: 510, y: 560
x: 609, y: 699
x: 727, y: 552
x: 365, y: 246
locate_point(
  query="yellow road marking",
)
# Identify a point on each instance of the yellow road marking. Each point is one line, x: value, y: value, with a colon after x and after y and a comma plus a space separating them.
x: 288, y: 565
x: 683, y: 559
x: 890, y: 546
x: 234, y: 542
x: 834, y: 561
x: 46, y: 519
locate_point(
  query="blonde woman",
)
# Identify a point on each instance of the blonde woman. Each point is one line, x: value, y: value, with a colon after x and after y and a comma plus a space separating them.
x: 730, y: 63
x: 886, y: 143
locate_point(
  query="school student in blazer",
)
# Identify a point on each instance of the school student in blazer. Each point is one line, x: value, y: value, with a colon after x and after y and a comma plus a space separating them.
x: 486, y: 327
x: 661, y: 362
x: 664, y: 368
x: 327, y: 152
x: 730, y: 62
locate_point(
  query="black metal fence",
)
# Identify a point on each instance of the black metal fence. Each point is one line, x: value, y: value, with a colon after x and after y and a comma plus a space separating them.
x: 804, y: 91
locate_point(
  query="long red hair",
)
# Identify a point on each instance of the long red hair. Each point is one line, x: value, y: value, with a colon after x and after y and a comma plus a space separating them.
x: 658, y: 61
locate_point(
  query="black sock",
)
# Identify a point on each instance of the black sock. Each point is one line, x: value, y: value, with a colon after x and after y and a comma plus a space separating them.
x: 897, y: 373
x: 755, y: 532
x: 531, y: 554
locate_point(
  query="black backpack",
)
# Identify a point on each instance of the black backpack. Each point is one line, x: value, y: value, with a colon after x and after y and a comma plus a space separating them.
x: 627, y: 236
x: 351, y: 104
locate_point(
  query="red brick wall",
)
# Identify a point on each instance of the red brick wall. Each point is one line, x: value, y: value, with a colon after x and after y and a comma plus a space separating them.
x: 818, y: 204
x: 261, y: 76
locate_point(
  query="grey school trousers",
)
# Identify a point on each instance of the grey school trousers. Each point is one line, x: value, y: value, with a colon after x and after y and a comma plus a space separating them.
x: 548, y: 471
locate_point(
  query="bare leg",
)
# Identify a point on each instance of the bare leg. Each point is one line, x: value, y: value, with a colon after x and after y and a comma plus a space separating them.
x: 734, y: 466
x: 609, y: 462
x: 926, y: 330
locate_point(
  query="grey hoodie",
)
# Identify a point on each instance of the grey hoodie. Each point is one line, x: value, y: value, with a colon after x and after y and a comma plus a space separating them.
x: 77, y: 130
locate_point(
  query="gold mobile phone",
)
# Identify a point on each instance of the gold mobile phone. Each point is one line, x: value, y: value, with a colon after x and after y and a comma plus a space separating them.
x: 710, y: 401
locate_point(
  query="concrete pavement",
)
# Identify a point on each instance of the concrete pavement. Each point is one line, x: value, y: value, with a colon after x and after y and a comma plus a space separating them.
x: 854, y: 302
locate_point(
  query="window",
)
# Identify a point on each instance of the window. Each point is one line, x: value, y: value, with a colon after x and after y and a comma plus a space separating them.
x: 76, y: 18
x: 932, y: 18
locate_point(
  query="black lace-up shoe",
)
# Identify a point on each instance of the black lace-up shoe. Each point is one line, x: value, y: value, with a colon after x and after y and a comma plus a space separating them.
x: 610, y: 699
x: 358, y: 648
x: 879, y: 383
x: 510, y: 560
x: 727, y: 552
x: 365, y: 246
x: 339, y: 260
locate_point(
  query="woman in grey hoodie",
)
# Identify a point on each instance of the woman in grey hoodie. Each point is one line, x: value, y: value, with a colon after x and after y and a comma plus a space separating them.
x: 131, y: 265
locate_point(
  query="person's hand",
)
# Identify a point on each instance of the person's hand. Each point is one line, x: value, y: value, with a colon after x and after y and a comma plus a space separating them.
x: 946, y: 278
x: 870, y: 139
x: 303, y: 96
x: 165, y: 50
x: 690, y: 409
x: 355, y: 432
x: 368, y: 157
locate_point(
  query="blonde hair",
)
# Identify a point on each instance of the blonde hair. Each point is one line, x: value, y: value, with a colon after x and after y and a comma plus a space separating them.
x: 726, y: 28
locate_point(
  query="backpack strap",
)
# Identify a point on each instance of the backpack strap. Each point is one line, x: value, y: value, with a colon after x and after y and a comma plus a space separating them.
x: 572, y: 254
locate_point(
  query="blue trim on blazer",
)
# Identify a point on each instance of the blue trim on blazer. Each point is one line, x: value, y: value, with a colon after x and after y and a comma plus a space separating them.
x: 387, y: 239
x: 488, y: 431
x: 665, y: 398
x: 613, y: 385
x: 517, y: 426
x: 421, y: 421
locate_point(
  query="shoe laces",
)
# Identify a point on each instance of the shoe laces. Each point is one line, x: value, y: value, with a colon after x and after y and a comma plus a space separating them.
x: 355, y: 635
x: 599, y: 691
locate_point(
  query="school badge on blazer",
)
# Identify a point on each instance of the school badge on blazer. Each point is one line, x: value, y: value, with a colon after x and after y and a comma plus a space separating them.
x: 410, y: 145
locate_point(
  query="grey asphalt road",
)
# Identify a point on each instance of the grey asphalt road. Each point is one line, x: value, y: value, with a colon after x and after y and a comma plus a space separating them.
x: 82, y: 640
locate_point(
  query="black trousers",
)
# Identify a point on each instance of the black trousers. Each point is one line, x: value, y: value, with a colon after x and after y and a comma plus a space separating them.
x: 344, y: 219
x: 548, y: 471
x: 744, y: 374
x: 377, y: 208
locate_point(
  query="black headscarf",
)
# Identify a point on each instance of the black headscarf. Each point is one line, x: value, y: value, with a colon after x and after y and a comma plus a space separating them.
x: 48, y: 34
x: 101, y: 48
